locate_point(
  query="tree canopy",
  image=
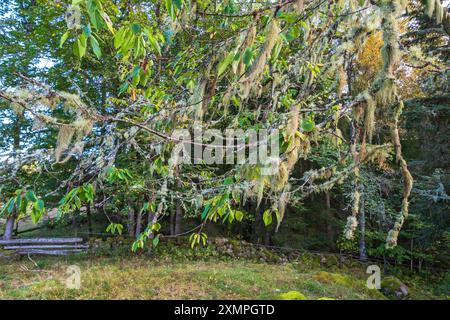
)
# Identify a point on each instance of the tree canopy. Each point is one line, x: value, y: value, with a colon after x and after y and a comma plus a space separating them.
x: 95, y: 93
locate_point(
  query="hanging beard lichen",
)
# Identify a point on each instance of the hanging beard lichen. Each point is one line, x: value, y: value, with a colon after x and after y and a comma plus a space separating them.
x: 77, y: 129
x: 239, y: 66
x: 254, y: 73
x: 384, y: 86
x: 281, y: 206
x: 352, y: 221
x: 435, y: 10
x: 196, y: 100
x: 385, y: 92
x: 391, y: 240
x: 350, y: 227
x: 298, y: 6
x: 439, y: 15
x: 298, y: 145
x: 369, y: 120
x: 65, y: 136
x: 429, y: 7
x: 74, y: 131
x: 342, y: 80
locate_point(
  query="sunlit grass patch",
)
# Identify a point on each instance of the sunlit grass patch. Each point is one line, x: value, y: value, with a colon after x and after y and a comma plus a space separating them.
x: 142, y: 278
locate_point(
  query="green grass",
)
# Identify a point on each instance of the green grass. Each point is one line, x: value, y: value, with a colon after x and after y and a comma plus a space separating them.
x: 174, y: 271
x: 144, y: 278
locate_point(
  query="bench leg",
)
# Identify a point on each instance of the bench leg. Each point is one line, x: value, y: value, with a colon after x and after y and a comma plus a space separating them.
x: 9, y: 228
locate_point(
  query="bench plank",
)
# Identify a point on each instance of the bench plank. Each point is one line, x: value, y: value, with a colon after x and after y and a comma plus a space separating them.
x: 62, y: 246
x: 50, y: 252
x: 40, y: 241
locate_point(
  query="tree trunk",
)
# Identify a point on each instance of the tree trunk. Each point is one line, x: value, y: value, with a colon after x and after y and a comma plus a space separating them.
x: 9, y: 228
x: 257, y: 225
x: 131, y: 223
x: 172, y: 224
x: 16, y: 229
x: 178, y: 211
x: 327, y: 200
x: 330, y: 217
x: 138, y: 223
x: 362, y: 229
x: 152, y: 221
x: 178, y: 217
x: 89, y: 218
x: 267, y: 237
x: 10, y: 221
x: 74, y: 220
x: 16, y: 137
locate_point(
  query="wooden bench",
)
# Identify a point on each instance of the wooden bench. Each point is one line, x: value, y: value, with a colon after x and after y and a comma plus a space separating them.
x: 45, y: 246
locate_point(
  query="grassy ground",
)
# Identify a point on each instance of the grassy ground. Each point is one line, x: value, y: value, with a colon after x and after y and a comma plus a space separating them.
x: 144, y: 278
x: 174, y: 271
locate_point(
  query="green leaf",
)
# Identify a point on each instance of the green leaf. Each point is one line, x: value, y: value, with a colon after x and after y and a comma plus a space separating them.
x: 123, y: 88
x: 93, y: 12
x: 23, y: 205
x: 156, y: 226
x: 19, y: 200
x: 279, y: 217
x: 154, y: 43
x: 35, y: 215
x: 136, y: 80
x: 155, y: 240
x: 80, y: 46
x: 204, y: 237
x: 31, y: 196
x: 230, y: 216
x: 194, y: 239
x: 119, y: 37
x: 178, y: 4
x: 128, y: 43
x: 135, y: 72
x: 87, y: 31
x: 11, y: 205
x: 96, y: 47
x: 136, y: 28
x: 308, y: 125
x: 205, y: 212
x: 239, y: 215
x: 228, y: 181
x: 108, y: 22
x: 225, y: 63
x: 64, y: 37
x: 119, y: 228
x: 40, y: 205
x: 171, y: 9
x: 267, y: 217
x: 78, y: 202
x: 248, y: 56
x: 145, y: 207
